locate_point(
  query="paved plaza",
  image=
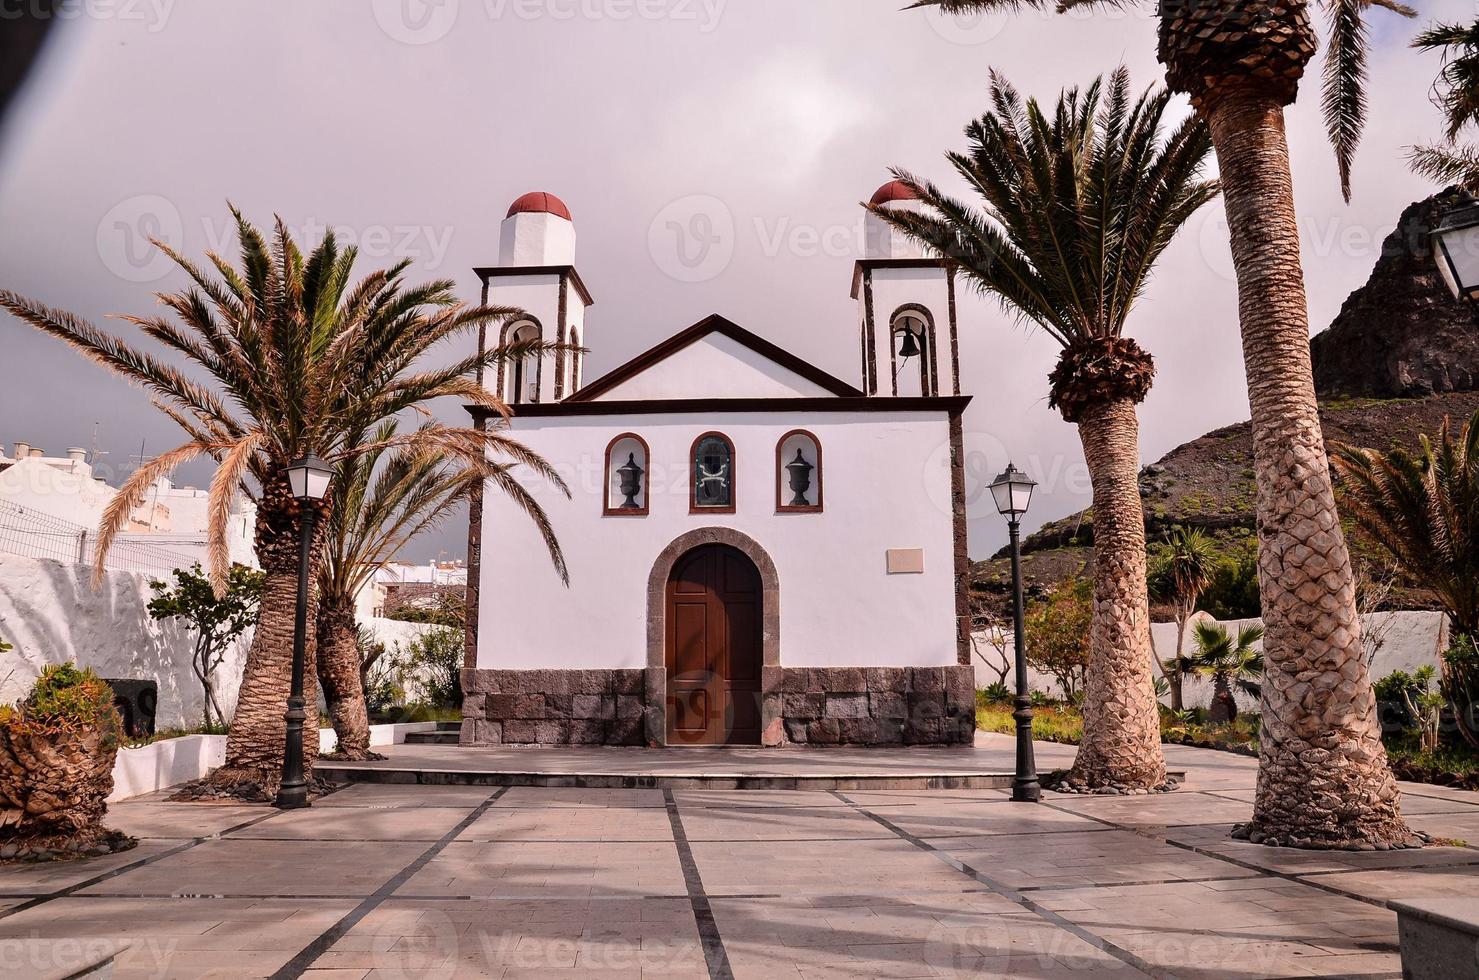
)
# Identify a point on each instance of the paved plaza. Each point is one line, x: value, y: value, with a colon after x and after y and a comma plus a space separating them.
x: 480, y: 881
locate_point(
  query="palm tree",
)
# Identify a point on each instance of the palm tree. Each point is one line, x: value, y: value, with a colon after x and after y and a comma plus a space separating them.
x: 1228, y: 661
x: 1423, y: 510
x: 1457, y: 94
x: 1186, y: 566
x: 384, y: 499
x: 1079, y: 204
x: 1241, y: 62
x: 301, y: 363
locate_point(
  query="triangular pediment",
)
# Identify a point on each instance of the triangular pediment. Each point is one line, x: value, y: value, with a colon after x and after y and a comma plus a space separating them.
x: 714, y: 358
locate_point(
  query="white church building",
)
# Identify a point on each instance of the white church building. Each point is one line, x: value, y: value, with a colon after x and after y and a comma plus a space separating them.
x: 760, y: 553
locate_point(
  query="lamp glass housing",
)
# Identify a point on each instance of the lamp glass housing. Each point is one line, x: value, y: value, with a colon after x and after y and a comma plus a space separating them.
x: 309, y: 478
x: 1456, y: 250
x: 1012, y: 491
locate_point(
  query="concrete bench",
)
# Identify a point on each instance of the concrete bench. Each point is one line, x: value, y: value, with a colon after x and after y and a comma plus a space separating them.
x: 1440, y: 938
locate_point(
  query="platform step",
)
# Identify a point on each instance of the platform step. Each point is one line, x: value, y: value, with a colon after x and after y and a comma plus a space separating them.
x: 380, y: 772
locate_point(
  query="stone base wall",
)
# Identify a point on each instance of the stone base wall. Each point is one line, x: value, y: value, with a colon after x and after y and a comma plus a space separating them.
x: 866, y: 706
x: 878, y: 705
x: 553, y: 707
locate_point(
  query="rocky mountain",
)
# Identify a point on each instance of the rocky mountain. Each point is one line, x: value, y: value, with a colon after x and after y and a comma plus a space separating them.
x: 1401, y: 335
x: 1401, y: 356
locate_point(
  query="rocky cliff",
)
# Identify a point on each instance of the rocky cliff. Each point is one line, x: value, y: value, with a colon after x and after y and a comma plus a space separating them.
x: 1402, y: 335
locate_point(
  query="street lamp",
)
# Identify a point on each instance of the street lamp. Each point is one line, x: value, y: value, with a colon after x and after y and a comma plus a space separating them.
x: 308, y: 478
x: 1456, y: 248
x: 1012, y: 491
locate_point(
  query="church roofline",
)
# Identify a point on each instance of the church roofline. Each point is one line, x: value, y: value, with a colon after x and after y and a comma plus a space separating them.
x: 949, y: 404
x: 710, y: 325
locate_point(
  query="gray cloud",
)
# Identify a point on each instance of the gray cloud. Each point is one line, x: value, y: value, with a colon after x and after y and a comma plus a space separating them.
x: 411, y: 125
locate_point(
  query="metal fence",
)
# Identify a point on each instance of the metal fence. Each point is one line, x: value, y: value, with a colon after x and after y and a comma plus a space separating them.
x: 29, y: 533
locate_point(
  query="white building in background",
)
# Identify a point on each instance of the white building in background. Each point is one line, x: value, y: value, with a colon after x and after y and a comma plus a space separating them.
x: 51, y: 507
x: 759, y: 552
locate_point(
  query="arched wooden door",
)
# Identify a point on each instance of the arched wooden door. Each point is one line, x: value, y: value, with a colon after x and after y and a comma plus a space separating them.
x: 713, y: 648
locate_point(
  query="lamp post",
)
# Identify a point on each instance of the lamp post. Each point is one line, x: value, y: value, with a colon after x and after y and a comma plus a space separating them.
x: 1456, y: 248
x: 309, y: 479
x: 1012, y: 491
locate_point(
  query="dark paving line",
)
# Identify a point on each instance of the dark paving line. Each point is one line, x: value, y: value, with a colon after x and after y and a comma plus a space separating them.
x: 308, y: 954
x: 1292, y: 878
x: 1129, y: 884
x: 125, y: 868
x: 1017, y: 898
x: 715, y: 955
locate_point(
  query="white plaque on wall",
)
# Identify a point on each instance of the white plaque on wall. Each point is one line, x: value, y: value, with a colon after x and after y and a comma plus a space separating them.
x: 905, y: 561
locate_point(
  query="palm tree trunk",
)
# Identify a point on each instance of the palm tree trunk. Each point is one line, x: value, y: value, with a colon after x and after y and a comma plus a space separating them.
x: 339, y: 674
x: 1122, y: 733
x: 254, y: 744
x: 1323, y: 773
x: 1177, y: 704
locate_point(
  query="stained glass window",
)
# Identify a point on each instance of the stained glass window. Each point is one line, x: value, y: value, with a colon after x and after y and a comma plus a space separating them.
x: 713, y: 473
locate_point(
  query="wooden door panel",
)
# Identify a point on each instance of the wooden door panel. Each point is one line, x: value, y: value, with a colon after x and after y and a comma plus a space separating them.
x: 713, y: 648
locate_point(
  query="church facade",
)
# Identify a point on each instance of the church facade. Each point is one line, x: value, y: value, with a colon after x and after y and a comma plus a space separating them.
x: 759, y: 553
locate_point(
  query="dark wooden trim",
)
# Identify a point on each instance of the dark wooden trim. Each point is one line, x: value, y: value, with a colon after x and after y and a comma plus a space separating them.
x: 570, y: 408
x: 960, y: 527
x: 473, y: 591
x: 710, y: 325
x: 483, y: 344
x: 609, y: 511
x: 954, y: 336
x: 693, y: 507
x: 863, y: 267
x: 576, y: 356
x: 871, y: 367
x: 506, y: 271
x: 560, y: 335
x: 781, y: 486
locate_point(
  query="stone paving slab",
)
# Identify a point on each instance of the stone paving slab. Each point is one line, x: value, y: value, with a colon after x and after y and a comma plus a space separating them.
x: 549, y: 869
x: 421, y: 881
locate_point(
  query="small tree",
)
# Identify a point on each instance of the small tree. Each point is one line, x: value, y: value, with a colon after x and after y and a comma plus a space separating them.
x: 1183, y: 570
x: 1228, y: 661
x: 988, y: 630
x: 217, y: 620
x: 1057, y: 630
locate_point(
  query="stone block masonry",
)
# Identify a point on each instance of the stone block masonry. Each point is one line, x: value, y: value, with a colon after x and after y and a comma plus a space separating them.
x: 859, y: 706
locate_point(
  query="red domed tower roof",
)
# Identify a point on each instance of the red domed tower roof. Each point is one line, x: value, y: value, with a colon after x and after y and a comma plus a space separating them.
x: 540, y: 202
x: 894, y: 190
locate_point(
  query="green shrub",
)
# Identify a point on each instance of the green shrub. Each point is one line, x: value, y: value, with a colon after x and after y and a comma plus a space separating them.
x: 435, y: 661
x: 995, y: 693
x: 65, y: 698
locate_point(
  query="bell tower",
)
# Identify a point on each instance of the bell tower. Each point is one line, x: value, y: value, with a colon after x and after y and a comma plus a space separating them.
x: 906, y: 299
x: 536, y: 273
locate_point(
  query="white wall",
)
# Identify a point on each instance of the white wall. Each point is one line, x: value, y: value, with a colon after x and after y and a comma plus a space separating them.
x: 51, y: 614
x: 716, y: 366
x: 887, y: 480
x: 1413, y: 638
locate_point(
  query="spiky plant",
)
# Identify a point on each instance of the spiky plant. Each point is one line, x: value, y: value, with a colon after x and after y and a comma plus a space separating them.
x: 1423, y: 510
x: 384, y: 500
x: 1457, y: 95
x: 301, y: 361
x: 1079, y: 200
x: 1228, y: 661
x: 1241, y: 62
x: 1183, y: 570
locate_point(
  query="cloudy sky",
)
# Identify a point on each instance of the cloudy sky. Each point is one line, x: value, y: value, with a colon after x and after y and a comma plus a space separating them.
x: 755, y: 126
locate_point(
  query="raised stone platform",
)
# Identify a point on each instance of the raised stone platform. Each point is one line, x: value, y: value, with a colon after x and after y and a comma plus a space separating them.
x: 606, y: 767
